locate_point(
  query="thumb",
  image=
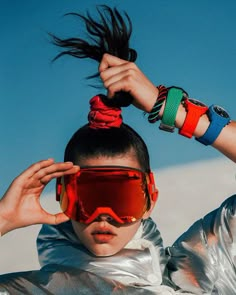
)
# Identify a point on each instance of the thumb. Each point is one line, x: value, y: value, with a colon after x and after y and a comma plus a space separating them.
x: 58, y: 218
x: 110, y: 61
x: 61, y: 217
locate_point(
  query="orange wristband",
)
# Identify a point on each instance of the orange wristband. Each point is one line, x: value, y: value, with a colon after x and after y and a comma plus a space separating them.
x: 195, y: 109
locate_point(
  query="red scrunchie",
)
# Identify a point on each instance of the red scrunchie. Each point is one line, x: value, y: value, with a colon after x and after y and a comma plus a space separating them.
x: 102, y: 116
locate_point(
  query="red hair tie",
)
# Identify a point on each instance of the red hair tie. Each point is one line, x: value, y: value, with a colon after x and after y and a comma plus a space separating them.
x: 102, y: 116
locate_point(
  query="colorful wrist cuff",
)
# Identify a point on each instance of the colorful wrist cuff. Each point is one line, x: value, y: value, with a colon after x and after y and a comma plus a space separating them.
x: 195, y: 109
x: 218, y: 118
x: 153, y: 116
x: 173, y: 100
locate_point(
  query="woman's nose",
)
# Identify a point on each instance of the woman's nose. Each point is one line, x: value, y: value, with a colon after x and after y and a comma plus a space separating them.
x: 104, y: 217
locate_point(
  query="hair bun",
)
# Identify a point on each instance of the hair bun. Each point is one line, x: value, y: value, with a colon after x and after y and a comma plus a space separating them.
x: 102, y: 116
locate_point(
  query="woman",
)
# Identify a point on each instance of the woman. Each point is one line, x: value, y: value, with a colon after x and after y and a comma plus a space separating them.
x: 120, y: 251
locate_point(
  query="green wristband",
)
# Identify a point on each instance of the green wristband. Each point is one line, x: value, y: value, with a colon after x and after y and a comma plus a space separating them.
x: 173, y: 100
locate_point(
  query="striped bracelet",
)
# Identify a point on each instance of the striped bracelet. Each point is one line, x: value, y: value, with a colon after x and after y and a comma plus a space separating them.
x: 153, y: 115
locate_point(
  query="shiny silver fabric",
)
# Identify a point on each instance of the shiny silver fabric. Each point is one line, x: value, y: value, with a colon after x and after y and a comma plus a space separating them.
x: 61, y: 280
x: 203, y: 259
x: 70, y: 269
x: 142, y: 264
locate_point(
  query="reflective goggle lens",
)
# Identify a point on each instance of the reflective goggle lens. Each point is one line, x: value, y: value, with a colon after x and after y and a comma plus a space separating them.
x: 121, y: 193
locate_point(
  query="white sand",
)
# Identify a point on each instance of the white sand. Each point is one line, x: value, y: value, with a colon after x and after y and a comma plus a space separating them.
x: 186, y: 193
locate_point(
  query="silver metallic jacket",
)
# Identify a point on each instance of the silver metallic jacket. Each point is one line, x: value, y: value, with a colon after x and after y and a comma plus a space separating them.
x: 201, y: 261
x: 142, y: 264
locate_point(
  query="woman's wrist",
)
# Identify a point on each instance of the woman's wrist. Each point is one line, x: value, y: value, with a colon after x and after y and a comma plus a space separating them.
x: 5, y: 225
x: 161, y: 95
x: 193, y: 118
x: 201, y: 127
x: 181, y: 113
x: 152, y: 99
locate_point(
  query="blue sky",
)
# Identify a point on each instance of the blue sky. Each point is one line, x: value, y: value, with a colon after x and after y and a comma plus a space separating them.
x: 186, y: 43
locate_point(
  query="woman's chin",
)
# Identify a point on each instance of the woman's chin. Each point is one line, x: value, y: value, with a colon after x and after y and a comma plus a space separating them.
x: 104, y: 252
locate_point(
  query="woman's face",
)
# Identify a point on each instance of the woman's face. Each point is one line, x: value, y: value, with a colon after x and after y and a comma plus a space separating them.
x: 104, y: 237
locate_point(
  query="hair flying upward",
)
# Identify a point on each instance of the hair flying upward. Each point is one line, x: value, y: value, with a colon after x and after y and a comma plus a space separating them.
x: 110, y: 33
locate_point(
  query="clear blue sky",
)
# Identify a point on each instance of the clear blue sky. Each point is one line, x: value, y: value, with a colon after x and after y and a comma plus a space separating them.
x: 179, y: 42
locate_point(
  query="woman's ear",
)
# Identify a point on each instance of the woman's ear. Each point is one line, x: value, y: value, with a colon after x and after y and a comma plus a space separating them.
x: 148, y: 213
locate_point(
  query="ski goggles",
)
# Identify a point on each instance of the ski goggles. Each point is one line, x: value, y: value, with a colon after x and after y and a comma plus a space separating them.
x: 123, y: 193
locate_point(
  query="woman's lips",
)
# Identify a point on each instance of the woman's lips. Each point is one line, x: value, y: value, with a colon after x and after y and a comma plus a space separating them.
x: 103, y: 236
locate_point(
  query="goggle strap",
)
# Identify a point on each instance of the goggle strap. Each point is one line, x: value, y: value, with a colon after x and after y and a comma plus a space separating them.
x: 153, y: 191
x: 127, y: 173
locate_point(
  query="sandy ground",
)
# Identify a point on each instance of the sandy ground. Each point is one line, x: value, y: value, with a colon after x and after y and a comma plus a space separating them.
x: 186, y: 193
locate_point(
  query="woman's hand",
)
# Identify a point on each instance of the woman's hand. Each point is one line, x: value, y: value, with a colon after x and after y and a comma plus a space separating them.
x: 20, y: 206
x: 121, y: 75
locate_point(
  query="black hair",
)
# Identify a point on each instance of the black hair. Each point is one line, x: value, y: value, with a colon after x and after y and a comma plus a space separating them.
x: 91, y: 143
x: 109, y: 34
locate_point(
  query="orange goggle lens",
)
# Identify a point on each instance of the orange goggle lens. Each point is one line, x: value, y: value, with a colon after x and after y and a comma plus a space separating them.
x: 123, y: 193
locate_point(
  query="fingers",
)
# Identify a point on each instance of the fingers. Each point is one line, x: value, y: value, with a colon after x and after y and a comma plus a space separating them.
x: 110, y: 61
x: 124, y: 69
x: 120, y: 83
x: 122, y: 76
x: 39, y: 174
x: 116, y: 70
x: 27, y: 178
x: 56, y: 170
x: 20, y: 205
x: 31, y: 170
x: 46, y: 166
x: 114, y: 74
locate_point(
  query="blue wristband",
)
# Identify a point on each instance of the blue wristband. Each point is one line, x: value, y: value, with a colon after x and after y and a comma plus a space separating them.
x: 219, y: 118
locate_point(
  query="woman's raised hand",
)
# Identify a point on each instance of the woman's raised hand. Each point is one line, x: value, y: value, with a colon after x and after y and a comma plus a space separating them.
x: 20, y: 205
x: 121, y: 75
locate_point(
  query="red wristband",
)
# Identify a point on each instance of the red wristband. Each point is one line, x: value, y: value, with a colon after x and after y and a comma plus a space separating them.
x: 195, y: 109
